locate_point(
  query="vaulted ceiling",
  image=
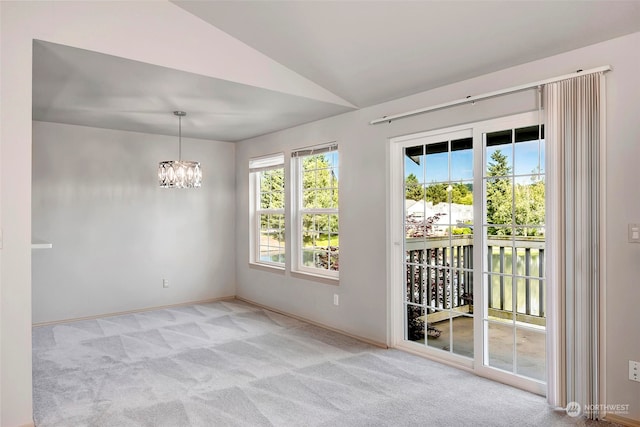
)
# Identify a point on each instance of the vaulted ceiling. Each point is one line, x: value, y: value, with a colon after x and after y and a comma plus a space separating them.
x: 325, y: 57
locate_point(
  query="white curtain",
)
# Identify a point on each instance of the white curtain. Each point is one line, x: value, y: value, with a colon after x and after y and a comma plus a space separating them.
x: 575, y: 121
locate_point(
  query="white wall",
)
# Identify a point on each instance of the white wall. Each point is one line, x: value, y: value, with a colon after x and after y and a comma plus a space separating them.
x: 364, y: 199
x: 156, y: 32
x: 115, y: 233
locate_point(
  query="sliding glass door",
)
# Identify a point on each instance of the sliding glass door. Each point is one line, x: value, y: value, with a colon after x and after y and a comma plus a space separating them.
x: 438, y: 242
x: 468, y: 265
x: 513, y: 233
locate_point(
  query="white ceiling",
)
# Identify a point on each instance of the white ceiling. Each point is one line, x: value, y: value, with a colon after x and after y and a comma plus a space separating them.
x: 368, y: 52
x: 80, y: 87
x: 365, y: 52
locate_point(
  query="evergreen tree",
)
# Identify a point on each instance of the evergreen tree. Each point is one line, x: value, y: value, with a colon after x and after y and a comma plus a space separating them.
x: 412, y: 188
x: 319, y: 185
x: 530, y: 206
x: 460, y: 194
x: 319, y: 190
x: 272, y: 197
x: 272, y: 189
x: 499, y: 194
x: 437, y: 193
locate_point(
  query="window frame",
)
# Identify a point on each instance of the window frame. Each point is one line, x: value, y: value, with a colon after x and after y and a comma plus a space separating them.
x: 298, y: 211
x: 258, y: 165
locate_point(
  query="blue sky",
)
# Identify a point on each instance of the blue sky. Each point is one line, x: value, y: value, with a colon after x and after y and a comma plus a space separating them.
x: 436, y: 167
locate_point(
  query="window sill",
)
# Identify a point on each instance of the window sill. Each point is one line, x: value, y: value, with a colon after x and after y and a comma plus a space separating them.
x: 267, y: 267
x: 335, y: 281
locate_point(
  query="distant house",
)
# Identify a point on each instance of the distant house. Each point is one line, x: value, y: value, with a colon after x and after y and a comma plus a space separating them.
x: 450, y: 214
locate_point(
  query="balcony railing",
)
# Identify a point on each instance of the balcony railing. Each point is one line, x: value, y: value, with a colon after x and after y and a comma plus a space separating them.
x: 440, y: 274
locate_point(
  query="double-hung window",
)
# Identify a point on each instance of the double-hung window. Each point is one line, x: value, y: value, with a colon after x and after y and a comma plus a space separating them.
x: 316, y: 236
x: 267, y: 208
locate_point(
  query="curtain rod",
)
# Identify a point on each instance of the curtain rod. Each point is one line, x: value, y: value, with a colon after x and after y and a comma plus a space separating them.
x: 489, y: 95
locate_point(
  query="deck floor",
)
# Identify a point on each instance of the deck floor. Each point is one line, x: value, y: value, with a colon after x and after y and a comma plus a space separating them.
x: 530, y: 345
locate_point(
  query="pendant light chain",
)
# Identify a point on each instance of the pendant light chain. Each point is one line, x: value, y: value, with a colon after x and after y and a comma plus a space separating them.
x: 180, y: 115
x: 180, y: 136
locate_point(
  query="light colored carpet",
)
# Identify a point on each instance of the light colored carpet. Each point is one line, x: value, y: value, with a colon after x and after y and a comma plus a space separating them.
x: 234, y: 364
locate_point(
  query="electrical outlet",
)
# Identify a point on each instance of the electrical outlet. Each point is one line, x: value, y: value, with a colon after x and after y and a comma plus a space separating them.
x: 634, y: 371
x: 336, y: 299
x: 165, y: 283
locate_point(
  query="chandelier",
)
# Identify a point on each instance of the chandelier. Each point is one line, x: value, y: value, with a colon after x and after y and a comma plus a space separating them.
x: 179, y: 173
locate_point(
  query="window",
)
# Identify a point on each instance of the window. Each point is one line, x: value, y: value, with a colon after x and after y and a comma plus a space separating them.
x: 267, y: 210
x: 317, y: 236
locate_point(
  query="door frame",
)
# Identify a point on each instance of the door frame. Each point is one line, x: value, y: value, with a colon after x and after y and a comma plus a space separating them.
x: 395, y: 258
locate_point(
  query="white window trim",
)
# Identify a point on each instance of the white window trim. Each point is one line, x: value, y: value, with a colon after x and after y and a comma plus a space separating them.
x: 297, y: 212
x: 257, y: 165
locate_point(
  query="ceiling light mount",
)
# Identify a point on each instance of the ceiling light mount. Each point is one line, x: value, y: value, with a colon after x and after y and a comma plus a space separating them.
x: 179, y: 173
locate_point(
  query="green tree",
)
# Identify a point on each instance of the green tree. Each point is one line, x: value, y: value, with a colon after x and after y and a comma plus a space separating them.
x: 319, y: 183
x: 529, y: 199
x: 462, y: 194
x: 437, y: 193
x: 530, y: 206
x: 499, y: 194
x: 413, y: 189
x: 319, y: 190
x: 272, y: 189
x: 272, y: 197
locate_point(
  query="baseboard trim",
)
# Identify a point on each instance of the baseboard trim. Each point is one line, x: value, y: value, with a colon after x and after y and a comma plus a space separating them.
x: 312, y: 322
x: 227, y: 298
x: 140, y: 310
x: 624, y: 421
